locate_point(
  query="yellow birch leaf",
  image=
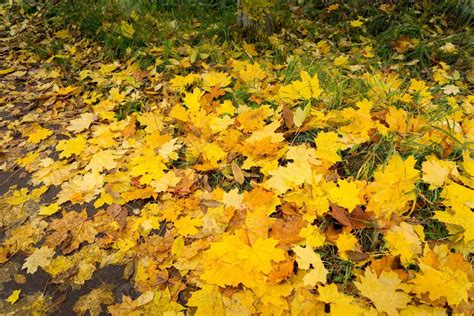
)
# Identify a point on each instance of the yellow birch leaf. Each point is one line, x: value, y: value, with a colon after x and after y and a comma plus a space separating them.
x: 300, y: 115
x: 14, y: 297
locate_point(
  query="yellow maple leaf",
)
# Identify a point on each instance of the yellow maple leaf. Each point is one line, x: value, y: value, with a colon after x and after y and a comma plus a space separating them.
x: 435, y: 171
x: 324, y: 47
x: 345, y: 194
x: 179, y: 112
x: 62, y: 34
x: 38, y: 134
x: 341, y: 304
x: 163, y: 304
x: 252, y: 73
x: 226, y: 107
x: 313, y: 235
x: 273, y: 298
x: 393, y: 187
x: 306, y: 258
x: 310, y: 86
x: 220, y: 261
x: 48, y: 210
x: 37, y: 192
x: 261, y: 254
x: 168, y: 150
x: 28, y: 159
x: 41, y: 257
x: 468, y: 163
x: 417, y: 85
x: 214, y: 78
x: 289, y: 177
x: 213, y: 153
x: 300, y: 115
x: 449, y: 48
x: 357, y: 23
x: 92, y: 301
x: 457, y: 195
x: 451, y: 284
x: 233, y: 198
x: 208, y: 301
x: 180, y: 82
x: 129, y: 306
x: 186, y: 225
x: 460, y: 215
x: 346, y: 242
x: 404, y: 241
x: 327, y: 146
x: 306, y: 88
x: 240, y: 303
x: 82, y: 123
x: 315, y: 276
x: 148, y: 165
x: 219, y: 124
x: 73, y: 146
x: 192, y: 100
x: 423, y: 310
x: 361, y: 122
x: 17, y: 197
x: 126, y: 29
x: 81, y: 188
x: 152, y: 120
x: 117, y: 96
x: 102, y: 160
x: 340, y: 61
x: 168, y: 180
x: 268, y: 131
x: 250, y: 49
x: 383, y: 291
x: 178, y: 246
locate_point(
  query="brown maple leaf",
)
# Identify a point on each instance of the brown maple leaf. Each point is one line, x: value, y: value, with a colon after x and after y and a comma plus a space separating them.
x: 70, y: 231
x: 355, y: 220
x: 287, y: 230
x: 215, y: 92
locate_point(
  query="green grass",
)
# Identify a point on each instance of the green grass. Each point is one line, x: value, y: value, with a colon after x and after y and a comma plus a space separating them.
x: 340, y: 271
x: 428, y: 202
x: 361, y: 161
x: 123, y: 110
x: 153, y: 22
x: 209, y: 27
x: 206, y: 24
x: 370, y: 239
x: 304, y: 137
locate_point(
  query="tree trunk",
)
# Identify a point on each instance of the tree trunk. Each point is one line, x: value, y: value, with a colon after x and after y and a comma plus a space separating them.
x: 242, y: 19
x: 255, y: 28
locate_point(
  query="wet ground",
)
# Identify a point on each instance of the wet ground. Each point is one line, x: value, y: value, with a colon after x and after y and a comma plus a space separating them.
x: 64, y: 295
x: 59, y: 298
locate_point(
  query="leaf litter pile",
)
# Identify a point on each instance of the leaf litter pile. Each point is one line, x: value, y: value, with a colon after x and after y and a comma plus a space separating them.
x: 235, y: 182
